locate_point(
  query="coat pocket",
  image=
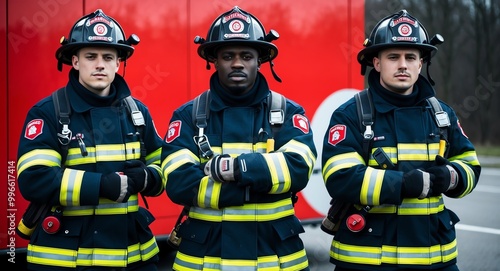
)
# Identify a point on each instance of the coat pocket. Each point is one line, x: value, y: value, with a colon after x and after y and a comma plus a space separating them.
x: 288, y: 227
x: 68, y: 236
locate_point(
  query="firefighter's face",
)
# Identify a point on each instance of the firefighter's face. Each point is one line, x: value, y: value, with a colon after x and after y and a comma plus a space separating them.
x: 399, y: 69
x: 237, y: 68
x: 97, y: 67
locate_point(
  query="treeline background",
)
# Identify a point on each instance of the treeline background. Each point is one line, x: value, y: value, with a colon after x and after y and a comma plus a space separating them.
x: 466, y: 68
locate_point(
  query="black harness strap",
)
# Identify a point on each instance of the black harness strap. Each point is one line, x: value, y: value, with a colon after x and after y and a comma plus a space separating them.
x: 365, y: 114
x: 63, y: 111
x: 138, y: 121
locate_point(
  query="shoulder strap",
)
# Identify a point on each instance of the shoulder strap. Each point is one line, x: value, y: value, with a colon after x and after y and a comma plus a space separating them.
x: 201, y: 110
x: 443, y: 122
x: 138, y: 120
x: 441, y: 117
x: 200, y: 115
x: 63, y: 111
x: 135, y: 113
x: 365, y: 114
x: 277, y: 109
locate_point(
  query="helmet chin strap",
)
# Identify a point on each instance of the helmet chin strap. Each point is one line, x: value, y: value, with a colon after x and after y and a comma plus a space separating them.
x: 276, y: 77
x: 59, y: 65
x: 428, y: 73
x: 124, y: 66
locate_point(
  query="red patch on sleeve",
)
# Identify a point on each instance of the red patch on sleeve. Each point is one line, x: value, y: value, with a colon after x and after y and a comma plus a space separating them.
x: 300, y: 122
x: 337, y: 134
x: 461, y: 129
x: 34, y: 128
x: 174, y: 130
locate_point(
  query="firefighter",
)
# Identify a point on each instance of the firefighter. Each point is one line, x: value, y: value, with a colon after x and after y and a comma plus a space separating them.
x: 238, y: 174
x: 90, y: 170
x: 397, y: 219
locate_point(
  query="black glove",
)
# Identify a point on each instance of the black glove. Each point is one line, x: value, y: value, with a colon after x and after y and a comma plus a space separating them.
x: 114, y: 186
x: 443, y: 176
x: 138, y: 174
x: 221, y: 168
x: 416, y: 184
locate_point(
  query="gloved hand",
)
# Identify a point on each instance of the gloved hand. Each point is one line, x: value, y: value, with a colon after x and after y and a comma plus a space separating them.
x: 416, y: 184
x: 443, y: 176
x: 138, y: 175
x: 221, y: 168
x: 114, y: 186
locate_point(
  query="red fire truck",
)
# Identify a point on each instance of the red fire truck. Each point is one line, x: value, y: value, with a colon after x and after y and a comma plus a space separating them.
x: 318, y: 43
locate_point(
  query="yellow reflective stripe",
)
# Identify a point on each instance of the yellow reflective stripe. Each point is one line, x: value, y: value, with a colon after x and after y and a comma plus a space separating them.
x: 372, y: 186
x: 270, y: 262
x: 294, y: 261
x: 71, y: 183
x: 51, y: 256
x: 427, y: 206
x: 392, y: 153
x: 154, y: 157
x: 248, y: 212
x: 301, y: 149
x: 102, y: 257
x: 133, y: 150
x: 381, y: 209
x: 393, y: 255
x: 74, y: 157
x: 413, y: 152
x: 433, y: 149
x: 49, y: 158
x: 470, y: 177
x: 280, y: 175
x: 237, y: 148
x: 209, y: 192
x: 105, y: 207
x: 92, y: 256
x: 184, y: 262
x: 469, y: 157
x: 178, y: 159
x: 450, y: 251
x: 110, y: 152
x: 260, y: 147
x: 341, y: 161
x: 142, y: 252
x: 291, y: 262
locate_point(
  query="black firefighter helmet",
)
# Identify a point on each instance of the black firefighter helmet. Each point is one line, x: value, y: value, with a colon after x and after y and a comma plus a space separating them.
x: 95, y: 30
x: 398, y: 30
x: 238, y: 27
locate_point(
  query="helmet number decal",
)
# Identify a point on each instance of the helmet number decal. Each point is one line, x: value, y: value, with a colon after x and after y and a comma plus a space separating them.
x: 404, y: 30
x: 236, y: 26
x: 100, y: 30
